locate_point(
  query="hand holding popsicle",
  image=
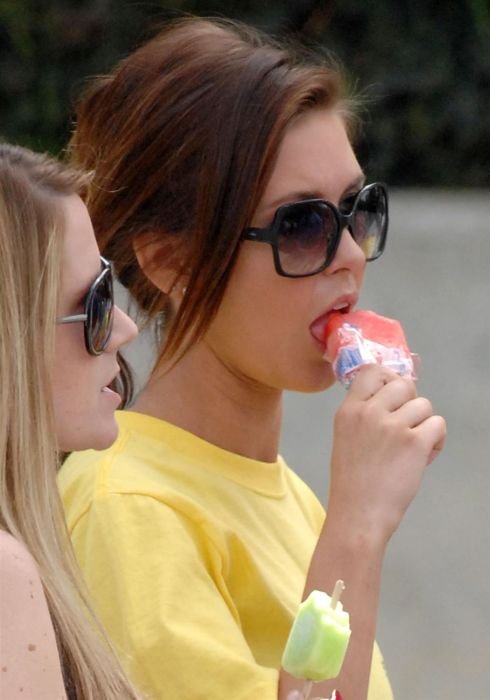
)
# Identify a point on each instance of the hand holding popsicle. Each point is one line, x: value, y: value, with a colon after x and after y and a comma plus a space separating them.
x: 397, y: 434
x: 375, y: 476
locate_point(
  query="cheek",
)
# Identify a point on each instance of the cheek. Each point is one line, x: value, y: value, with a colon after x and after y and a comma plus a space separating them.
x: 72, y: 381
x: 252, y: 309
x: 262, y: 328
x: 70, y: 364
x: 84, y: 417
x: 359, y: 272
x: 84, y: 414
x: 70, y: 390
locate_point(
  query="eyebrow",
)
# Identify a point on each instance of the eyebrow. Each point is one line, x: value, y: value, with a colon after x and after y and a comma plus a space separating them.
x: 300, y: 195
x: 355, y: 186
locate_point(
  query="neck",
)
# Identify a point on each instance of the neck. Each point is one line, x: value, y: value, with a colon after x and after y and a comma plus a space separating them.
x: 204, y: 397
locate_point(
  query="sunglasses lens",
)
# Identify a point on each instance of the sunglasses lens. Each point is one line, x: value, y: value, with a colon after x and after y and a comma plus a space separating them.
x: 100, y: 313
x: 370, y: 219
x: 307, y: 232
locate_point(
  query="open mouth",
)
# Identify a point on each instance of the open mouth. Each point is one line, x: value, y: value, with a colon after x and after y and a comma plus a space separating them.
x: 112, y: 383
x: 317, y: 328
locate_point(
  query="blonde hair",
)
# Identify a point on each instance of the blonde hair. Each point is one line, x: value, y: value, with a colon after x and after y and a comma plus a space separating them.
x: 31, y: 247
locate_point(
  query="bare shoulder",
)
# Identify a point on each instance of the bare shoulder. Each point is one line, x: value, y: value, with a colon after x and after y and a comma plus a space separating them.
x: 16, y: 561
x: 19, y: 577
x: 29, y: 660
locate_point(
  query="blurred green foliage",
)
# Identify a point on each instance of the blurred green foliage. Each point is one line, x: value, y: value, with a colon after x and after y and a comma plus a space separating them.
x: 422, y: 67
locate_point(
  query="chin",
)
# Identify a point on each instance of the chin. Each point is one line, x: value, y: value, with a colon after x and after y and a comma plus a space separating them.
x: 315, y: 382
x: 105, y: 438
x: 316, y: 388
x: 99, y: 439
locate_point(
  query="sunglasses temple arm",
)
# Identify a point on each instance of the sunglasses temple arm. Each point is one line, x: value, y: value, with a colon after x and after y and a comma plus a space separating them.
x: 73, y: 319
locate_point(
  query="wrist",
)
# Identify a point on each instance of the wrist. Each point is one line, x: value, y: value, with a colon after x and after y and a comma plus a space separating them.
x: 358, y: 537
x: 360, y: 526
x: 347, y: 553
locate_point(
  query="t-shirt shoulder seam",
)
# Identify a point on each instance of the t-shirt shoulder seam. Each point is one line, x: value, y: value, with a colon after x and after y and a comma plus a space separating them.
x: 101, y: 485
x: 111, y: 493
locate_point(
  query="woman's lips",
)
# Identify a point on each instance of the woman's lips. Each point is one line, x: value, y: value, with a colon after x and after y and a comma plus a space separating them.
x: 112, y: 395
x: 317, y: 328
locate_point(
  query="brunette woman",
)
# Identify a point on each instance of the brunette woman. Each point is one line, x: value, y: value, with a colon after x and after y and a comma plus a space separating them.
x: 227, y: 193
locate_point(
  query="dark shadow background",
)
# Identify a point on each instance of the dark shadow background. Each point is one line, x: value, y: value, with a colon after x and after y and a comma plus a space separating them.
x: 424, y: 67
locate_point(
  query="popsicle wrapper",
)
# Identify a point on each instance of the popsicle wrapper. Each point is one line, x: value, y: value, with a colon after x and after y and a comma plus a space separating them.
x: 318, y: 639
x: 362, y: 337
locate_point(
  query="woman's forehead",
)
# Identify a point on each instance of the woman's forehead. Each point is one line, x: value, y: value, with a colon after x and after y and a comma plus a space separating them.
x: 315, y: 159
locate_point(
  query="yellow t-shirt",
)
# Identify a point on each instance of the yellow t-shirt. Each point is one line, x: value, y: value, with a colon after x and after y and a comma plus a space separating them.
x: 196, y: 559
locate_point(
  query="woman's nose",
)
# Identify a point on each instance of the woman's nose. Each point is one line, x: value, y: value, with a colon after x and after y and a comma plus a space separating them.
x: 349, y: 255
x: 123, y: 330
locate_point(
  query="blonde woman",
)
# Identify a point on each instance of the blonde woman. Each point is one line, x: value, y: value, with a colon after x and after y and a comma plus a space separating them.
x: 59, y: 337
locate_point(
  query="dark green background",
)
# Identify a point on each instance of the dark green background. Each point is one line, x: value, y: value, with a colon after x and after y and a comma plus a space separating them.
x: 423, y: 66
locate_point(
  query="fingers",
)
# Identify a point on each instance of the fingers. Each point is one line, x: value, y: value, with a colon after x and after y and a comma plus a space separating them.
x: 384, y: 438
x: 369, y: 380
x: 433, y: 432
x: 415, y: 411
x: 390, y: 392
x: 387, y: 387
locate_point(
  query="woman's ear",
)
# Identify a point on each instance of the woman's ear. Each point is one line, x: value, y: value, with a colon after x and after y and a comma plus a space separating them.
x: 161, y: 259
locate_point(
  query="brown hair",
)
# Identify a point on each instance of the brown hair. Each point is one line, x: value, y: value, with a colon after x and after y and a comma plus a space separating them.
x: 182, y: 137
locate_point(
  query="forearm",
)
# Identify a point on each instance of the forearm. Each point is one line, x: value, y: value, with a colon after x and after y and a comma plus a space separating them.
x: 357, y: 559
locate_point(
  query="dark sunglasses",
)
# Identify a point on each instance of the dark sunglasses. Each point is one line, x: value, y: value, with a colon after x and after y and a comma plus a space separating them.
x: 305, y: 235
x: 98, y: 311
